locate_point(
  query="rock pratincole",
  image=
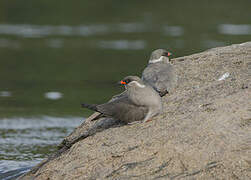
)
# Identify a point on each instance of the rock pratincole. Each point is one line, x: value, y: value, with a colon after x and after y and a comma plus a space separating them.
x: 160, y: 73
x: 140, y: 102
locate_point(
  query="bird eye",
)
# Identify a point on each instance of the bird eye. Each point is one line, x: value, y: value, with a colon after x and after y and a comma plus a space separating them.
x: 167, y: 54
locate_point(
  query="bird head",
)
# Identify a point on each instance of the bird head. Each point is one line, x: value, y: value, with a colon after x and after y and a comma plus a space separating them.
x: 160, y: 55
x: 132, y: 81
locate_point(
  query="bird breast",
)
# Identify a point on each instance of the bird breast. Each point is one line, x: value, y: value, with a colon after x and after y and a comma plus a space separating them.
x: 144, y: 97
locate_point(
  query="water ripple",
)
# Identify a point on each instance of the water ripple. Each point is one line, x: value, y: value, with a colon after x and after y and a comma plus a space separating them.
x: 38, y: 31
x: 235, y: 29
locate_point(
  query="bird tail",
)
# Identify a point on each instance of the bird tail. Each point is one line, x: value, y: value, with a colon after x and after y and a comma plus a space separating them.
x: 90, y: 106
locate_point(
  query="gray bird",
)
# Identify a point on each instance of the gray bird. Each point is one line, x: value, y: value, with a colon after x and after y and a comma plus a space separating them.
x: 138, y: 102
x: 160, y: 73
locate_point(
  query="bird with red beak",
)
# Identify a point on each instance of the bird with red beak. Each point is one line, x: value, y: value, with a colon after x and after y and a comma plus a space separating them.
x: 140, y: 102
x: 160, y: 73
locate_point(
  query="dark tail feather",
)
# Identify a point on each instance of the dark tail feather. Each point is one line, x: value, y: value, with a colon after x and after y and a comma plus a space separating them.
x: 90, y: 106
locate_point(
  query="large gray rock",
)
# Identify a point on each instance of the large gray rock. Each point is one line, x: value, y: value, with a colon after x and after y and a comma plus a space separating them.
x: 204, y: 132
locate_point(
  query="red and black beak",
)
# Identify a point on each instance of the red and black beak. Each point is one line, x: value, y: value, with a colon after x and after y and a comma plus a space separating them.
x: 169, y: 54
x: 122, y: 82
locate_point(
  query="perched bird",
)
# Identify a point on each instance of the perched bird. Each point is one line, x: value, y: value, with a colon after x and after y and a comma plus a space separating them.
x: 160, y: 73
x: 138, y: 102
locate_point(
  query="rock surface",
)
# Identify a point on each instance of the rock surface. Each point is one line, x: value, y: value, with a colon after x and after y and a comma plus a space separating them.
x: 204, y: 132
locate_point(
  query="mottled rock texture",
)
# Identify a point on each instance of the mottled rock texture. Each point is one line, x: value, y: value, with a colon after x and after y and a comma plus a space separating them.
x: 204, y: 132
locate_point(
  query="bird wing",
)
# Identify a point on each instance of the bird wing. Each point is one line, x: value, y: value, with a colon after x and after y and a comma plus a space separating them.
x: 160, y: 76
x: 123, y: 109
x: 167, y: 78
x: 150, y: 75
x: 117, y: 96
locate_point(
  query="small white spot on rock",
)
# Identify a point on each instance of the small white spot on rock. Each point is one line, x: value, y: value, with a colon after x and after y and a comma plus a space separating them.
x: 5, y: 94
x: 224, y: 76
x: 53, y: 95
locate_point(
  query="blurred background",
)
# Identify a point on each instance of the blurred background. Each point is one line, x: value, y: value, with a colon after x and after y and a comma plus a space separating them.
x: 55, y: 55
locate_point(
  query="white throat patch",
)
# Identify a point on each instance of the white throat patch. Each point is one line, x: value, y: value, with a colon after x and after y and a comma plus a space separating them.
x: 138, y: 84
x: 157, y: 60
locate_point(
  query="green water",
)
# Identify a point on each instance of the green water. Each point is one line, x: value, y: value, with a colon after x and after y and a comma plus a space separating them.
x: 80, y: 49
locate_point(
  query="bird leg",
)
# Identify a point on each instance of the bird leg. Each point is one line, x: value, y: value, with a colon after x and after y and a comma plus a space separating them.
x: 148, y: 117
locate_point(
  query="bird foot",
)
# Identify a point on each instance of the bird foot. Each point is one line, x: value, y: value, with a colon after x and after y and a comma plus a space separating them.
x: 148, y: 120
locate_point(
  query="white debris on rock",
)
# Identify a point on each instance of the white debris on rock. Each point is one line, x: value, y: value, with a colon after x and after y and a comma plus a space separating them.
x: 224, y: 76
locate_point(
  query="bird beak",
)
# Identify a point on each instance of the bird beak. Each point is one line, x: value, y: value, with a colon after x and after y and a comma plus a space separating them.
x: 122, y: 83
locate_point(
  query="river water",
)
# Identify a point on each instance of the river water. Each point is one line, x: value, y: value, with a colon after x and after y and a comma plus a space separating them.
x: 26, y: 141
x: 54, y: 56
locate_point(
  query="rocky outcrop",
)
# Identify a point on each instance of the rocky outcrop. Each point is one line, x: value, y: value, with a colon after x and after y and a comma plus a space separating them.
x: 204, y: 132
